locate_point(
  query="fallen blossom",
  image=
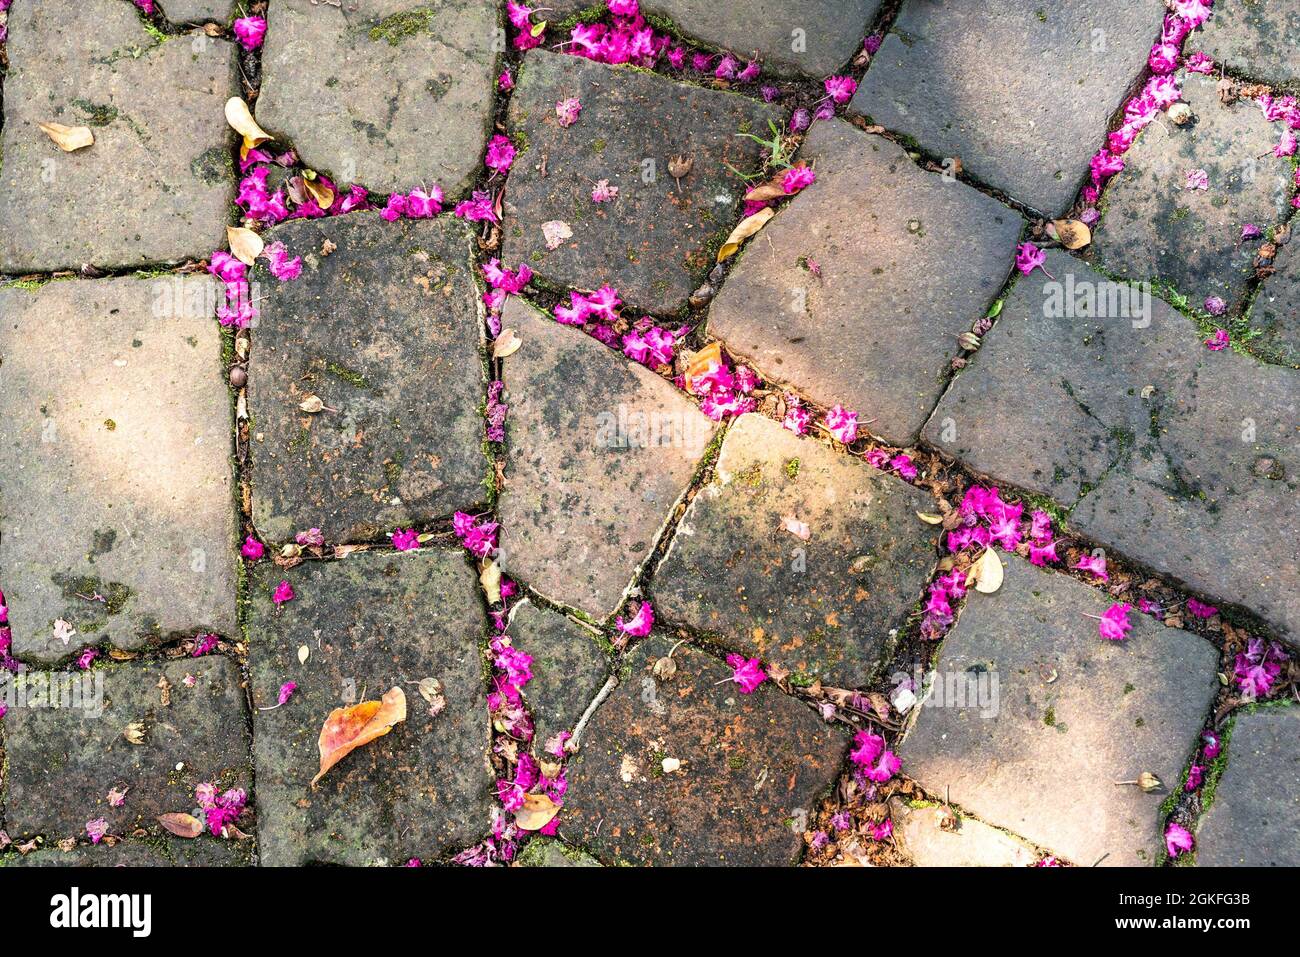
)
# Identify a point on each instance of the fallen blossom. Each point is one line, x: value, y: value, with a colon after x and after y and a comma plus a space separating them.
x: 602, y: 192
x: 286, y: 692
x: 840, y: 88
x: 1258, y: 667
x: 1195, y: 777
x: 282, y: 267
x: 479, y: 207
x: 500, y: 154
x: 842, y: 424
x: 1197, y: 179
x: 505, y: 82
x: 1114, y: 625
x: 566, y: 111
x: 1215, y: 306
x: 252, y: 549
x: 747, y: 673
x: 796, y: 416
x: 116, y: 797
x: 797, y: 178
x: 283, y: 592
x: 204, y: 644
x: 1200, y: 609
x: 1029, y: 257
x: 1219, y: 341
x: 407, y: 540
x: 96, y: 829
x: 1095, y: 564
x: 87, y: 658
x: 249, y: 31
x: 1178, y: 840
x: 639, y: 625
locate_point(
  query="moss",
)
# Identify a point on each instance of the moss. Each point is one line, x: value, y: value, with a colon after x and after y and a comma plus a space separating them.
x: 400, y: 26
x: 349, y: 376
x: 95, y: 114
x: 792, y: 469
x: 213, y: 166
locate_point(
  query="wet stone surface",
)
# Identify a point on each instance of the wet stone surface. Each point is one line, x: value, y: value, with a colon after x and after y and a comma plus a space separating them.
x: 1252, y: 821
x: 823, y: 607
x: 658, y: 238
x: 92, y: 64
x: 920, y: 831
x: 370, y: 622
x: 1071, y: 714
x: 360, y: 90
x: 115, y: 430
x: 367, y: 329
x: 189, y: 11
x: 752, y: 766
x: 1156, y: 229
x: 1026, y: 120
x: 63, y: 760
x: 877, y: 329
x: 1176, y: 456
x: 568, y: 667
x: 598, y: 451
x: 1276, y: 310
x: 1255, y: 39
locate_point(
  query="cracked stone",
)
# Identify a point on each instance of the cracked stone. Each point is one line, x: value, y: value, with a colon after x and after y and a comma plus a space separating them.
x: 370, y: 622
x: 972, y: 844
x: 598, y: 451
x: 1155, y: 439
x: 1252, y: 822
x: 115, y: 425
x: 1257, y: 39
x: 1027, y: 120
x: 1039, y: 757
x: 753, y: 768
x: 63, y: 757
x: 733, y: 572
x: 882, y: 232
x: 568, y: 667
x: 1155, y: 229
x: 92, y: 64
x: 394, y: 96
x: 367, y: 329
x: 656, y: 241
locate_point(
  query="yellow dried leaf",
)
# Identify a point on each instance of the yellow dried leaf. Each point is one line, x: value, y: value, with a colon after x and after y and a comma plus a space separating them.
x: 303, y: 653
x: 245, y: 245
x: 347, y: 729
x: 986, y: 573
x: 744, y: 229
x: 322, y: 194
x: 506, y: 344
x: 537, y: 812
x: 68, y: 138
x: 312, y: 404
x: 240, y: 118
x: 490, y: 579
x: 182, y: 825
x: 1072, y: 233
x: 930, y: 518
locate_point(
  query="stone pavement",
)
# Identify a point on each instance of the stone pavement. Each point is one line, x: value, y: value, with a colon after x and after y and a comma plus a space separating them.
x: 596, y: 539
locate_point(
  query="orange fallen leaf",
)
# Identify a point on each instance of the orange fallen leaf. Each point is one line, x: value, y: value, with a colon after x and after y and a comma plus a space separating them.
x: 182, y: 825
x: 68, y: 138
x: 700, y: 362
x: 347, y: 729
x: 746, y: 228
x: 537, y: 812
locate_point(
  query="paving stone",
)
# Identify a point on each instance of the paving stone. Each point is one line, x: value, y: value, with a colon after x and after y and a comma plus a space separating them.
x: 598, y: 451
x: 371, y: 622
x: 972, y: 844
x: 190, y: 11
x: 1040, y: 757
x: 166, y: 851
x: 752, y: 767
x: 369, y: 329
x: 545, y: 852
x: 1188, y: 480
x: 568, y: 667
x: 908, y: 262
x: 1254, y: 38
x: 656, y: 240
x: 734, y: 572
x: 93, y: 64
x: 115, y: 425
x: 1252, y: 821
x: 392, y: 94
x: 1156, y: 229
x: 1276, y: 310
x: 64, y: 744
x: 1026, y: 120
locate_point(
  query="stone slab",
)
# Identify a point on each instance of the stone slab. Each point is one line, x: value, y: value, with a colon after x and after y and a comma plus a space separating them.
x: 656, y: 241
x: 63, y: 760
x: 392, y: 94
x: 568, y: 667
x: 752, y: 767
x: 1040, y: 758
x: 1026, y: 120
x: 598, y: 451
x: 1254, y: 38
x: 191, y: 11
x: 907, y: 260
x: 385, y: 330
x: 115, y: 421
x: 972, y: 844
x: 1188, y: 480
x: 1156, y: 229
x: 1276, y: 310
x: 167, y: 851
x: 370, y: 622
x: 824, y: 607
x: 156, y: 186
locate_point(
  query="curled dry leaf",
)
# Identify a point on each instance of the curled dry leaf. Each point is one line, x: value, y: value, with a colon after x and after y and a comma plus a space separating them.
x: 556, y: 232
x: 537, y: 812
x: 245, y: 245
x: 68, y: 138
x: 182, y: 825
x: 930, y: 518
x: 240, y: 118
x: 986, y: 573
x: 700, y: 361
x: 347, y: 729
x: 795, y: 527
x: 312, y: 404
x: 490, y: 579
x: 744, y: 229
x: 506, y: 344
x: 303, y: 654
x: 1072, y: 233
x: 322, y: 194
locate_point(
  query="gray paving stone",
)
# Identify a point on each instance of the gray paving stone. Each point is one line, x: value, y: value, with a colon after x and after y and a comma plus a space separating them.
x: 115, y: 425
x: 822, y: 607
x: 1276, y: 310
x: 972, y: 844
x: 908, y: 262
x: 655, y: 241
x: 1018, y: 91
x: 370, y: 622
x: 1041, y: 757
x: 750, y: 764
x: 568, y: 667
x: 157, y: 183
x: 1253, y: 819
x: 167, y: 851
x: 1188, y: 480
x: 1254, y: 38
x: 392, y: 95
x: 189, y: 11
x: 369, y: 329
x: 65, y: 749
x: 1156, y: 229
x: 598, y: 450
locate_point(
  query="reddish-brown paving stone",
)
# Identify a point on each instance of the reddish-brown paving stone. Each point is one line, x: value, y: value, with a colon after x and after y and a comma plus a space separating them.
x: 1059, y: 716
x: 598, y: 451
x: 152, y: 105
x: 166, y: 851
x: 115, y: 429
x: 568, y: 667
x: 907, y: 262
x: 753, y: 768
x: 825, y: 607
x: 1176, y: 456
x: 656, y: 240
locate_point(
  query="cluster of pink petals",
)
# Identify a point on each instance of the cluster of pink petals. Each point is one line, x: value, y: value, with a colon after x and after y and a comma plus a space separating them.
x: 638, y: 625
x: 900, y: 464
x: 797, y: 178
x: 479, y: 538
x: 840, y: 88
x: 7, y: 662
x: 252, y: 549
x: 87, y: 658
x: 797, y: 416
x: 145, y: 5
x: 417, y: 204
x: 96, y: 829
x: 238, y: 309
x: 481, y: 206
x: 1095, y: 564
x: 286, y: 692
x: 747, y: 673
x: 872, y: 761
x: 265, y: 207
x: 499, y: 848
x: 842, y: 424
x: 405, y: 540
x: 204, y: 644
x: 1113, y: 625
x: 567, y: 110
x: 650, y: 344
x: 1178, y: 840
x: 1200, y: 609
x: 283, y: 593
x: 1257, y: 668
x: 4, y: 27
x: 1219, y: 341
x: 220, y: 810
x: 939, y: 613
x: 250, y: 31
x: 282, y: 267
x: 723, y: 390
x: 988, y: 520
x: 1029, y: 257
x: 500, y: 154
x: 510, y: 281
x: 495, y: 427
